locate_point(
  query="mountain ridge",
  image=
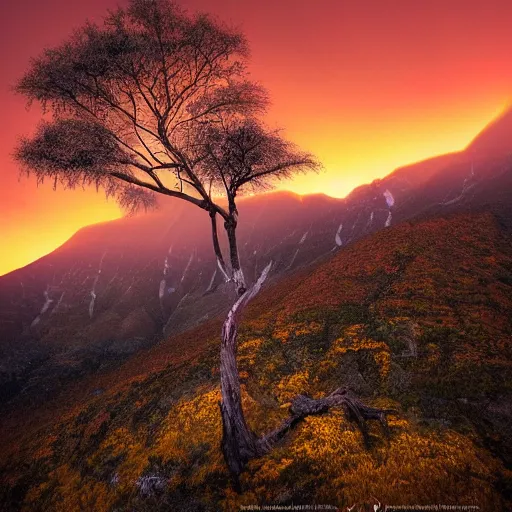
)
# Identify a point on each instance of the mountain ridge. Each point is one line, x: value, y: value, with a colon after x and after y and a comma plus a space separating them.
x: 399, y: 292
x: 389, y: 316
x: 105, y: 294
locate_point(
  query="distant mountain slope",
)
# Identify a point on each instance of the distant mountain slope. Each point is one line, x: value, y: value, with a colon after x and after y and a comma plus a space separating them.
x: 416, y: 318
x: 495, y: 139
x: 120, y: 286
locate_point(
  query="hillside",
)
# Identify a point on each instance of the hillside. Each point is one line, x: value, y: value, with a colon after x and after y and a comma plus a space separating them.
x: 414, y: 318
x: 117, y: 288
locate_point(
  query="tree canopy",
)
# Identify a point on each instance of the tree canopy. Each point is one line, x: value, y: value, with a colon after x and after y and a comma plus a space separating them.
x: 154, y: 100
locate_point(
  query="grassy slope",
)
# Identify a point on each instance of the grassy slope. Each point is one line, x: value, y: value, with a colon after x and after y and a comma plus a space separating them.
x: 415, y: 318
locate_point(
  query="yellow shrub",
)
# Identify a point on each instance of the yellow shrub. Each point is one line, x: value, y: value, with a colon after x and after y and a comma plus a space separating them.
x: 292, y: 385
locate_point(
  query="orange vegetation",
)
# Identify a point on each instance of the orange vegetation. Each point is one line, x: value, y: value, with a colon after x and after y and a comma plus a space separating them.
x: 415, y: 318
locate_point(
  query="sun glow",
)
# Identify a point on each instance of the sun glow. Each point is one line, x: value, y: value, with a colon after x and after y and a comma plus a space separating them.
x: 364, y: 87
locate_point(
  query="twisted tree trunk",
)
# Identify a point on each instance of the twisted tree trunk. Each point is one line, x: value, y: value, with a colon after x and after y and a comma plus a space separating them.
x: 239, y: 443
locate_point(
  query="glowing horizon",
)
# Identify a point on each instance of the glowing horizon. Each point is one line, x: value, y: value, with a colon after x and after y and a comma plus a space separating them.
x: 107, y: 210
x: 366, y: 87
x: 104, y: 210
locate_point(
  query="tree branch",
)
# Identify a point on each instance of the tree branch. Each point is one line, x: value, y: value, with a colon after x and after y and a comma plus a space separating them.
x: 168, y: 192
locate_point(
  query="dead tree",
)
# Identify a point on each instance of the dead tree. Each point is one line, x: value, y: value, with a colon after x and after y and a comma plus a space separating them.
x: 155, y: 101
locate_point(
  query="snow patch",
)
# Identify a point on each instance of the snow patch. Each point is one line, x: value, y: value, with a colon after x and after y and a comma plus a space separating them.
x: 44, y: 309
x: 166, y: 261
x: 390, y: 200
x: 91, y: 304
x: 370, y: 221
x: 58, y: 303
x: 337, y: 237
x: 293, y: 259
x: 161, y: 291
x: 47, y: 302
x: 163, y: 282
x: 212, y: 280
x: 191, y: 258
x: 93, y: 290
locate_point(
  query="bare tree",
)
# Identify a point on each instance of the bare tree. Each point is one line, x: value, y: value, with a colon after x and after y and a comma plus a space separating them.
x: 155, y: 101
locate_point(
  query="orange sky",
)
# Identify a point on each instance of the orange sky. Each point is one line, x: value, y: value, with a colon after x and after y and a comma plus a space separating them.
x: 365, y: 85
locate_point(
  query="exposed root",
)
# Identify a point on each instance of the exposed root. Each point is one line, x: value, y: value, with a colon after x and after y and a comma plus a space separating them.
x: 303, y: 406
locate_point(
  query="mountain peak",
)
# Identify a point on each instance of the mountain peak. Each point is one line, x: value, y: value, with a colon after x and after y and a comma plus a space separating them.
x: 495, y: 139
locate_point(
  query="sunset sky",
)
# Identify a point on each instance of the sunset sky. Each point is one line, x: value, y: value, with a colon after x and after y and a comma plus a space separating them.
x: 365, y: 85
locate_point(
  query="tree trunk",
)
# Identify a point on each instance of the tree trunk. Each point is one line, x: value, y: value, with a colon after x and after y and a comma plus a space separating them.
x: 238, y: 275
x: 239, y: 443
x: 216, y: 246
